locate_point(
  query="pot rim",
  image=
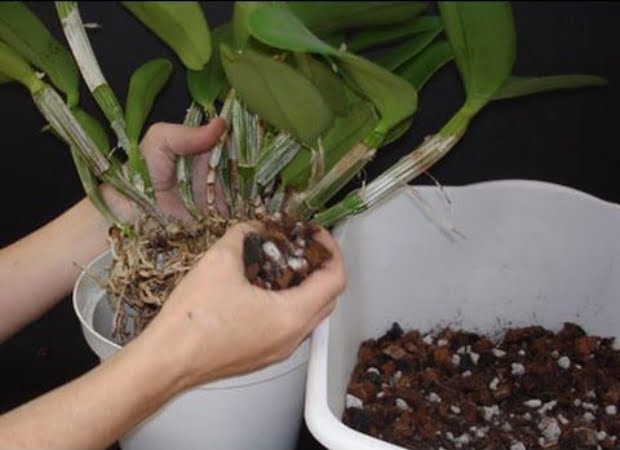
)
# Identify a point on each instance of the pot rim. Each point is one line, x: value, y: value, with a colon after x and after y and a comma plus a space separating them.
x: 295, y: 361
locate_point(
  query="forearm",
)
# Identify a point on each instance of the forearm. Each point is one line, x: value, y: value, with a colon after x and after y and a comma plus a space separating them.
x: 40, y: 269
x: 96, y: 409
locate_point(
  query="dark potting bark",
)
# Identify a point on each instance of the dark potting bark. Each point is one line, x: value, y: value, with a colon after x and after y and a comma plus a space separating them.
x: 533, y: 389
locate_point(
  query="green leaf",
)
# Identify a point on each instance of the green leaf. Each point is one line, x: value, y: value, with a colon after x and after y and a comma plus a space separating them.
x: 520, y: 86
x: 277, y: 93
x: 93, y: 128
x: 365, y: 39
x: 394, y: 97
x: 206, y: 85
x: 277, y: 26
x: 22, y: 30
x: 144, y: 86
x: 482, y: 37
x: 398, y: 131
x: 402, y: 53
x: 340, y: 138
x: 4, y: 78
x: 421, y: 68
x: 16, y: 68
x: 240, y: 27
x: 332, y: 88
x: 180, y: 25
x: 326, y: 17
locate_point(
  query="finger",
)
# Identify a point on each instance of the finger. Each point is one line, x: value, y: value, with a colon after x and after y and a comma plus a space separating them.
x: 321, y: 315
x: 175, y: 139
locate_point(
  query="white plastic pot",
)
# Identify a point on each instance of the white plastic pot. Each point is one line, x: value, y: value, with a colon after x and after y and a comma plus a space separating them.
x: 532, y: 253
x: 260, y: 410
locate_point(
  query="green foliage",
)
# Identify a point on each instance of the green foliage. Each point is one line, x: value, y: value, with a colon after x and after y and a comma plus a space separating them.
x: 14, y: 67
x: 367, y: 38
x: 327, y: 17
x: 421, y: 68
x: 180, y: 25
x: 145, y: 84
x: 275, y: 91
x: 206, y: 85
x: 404, y: 52
x: 482, y: 37
x: 22, y: 30
x: 520, y: 86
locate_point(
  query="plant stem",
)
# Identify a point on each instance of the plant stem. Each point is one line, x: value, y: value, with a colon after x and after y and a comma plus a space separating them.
x: 91, y: 188
x: 304, y: 204
x: 82, y: 50
x: 193, y: 118
x: 62, y: 120
x: 406, y: 169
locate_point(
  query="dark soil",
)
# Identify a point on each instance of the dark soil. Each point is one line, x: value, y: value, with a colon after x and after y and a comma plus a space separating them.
x: 533, y: 389
x: 283, y: 256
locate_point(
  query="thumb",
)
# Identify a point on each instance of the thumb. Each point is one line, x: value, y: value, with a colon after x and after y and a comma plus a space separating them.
x: 176, y: 140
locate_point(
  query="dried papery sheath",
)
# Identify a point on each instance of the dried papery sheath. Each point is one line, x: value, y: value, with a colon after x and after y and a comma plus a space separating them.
x: 276, y: 155
x: 64, y: 123
x: 193, y: 118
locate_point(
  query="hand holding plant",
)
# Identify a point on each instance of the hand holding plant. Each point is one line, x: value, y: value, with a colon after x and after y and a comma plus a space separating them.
x: 204, y: 324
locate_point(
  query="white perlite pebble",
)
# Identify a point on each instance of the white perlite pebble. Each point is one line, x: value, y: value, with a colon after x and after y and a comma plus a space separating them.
x: 466, y: 374
x: 489, y: 412
x: 533, y: 403
x: 555, y: 354
x: 456, y: 360
x: 273, y: 252
x: 563, y: 420
x: 428, y: 339
x: 611, y: 410
x: 588, y: 417
x: 527, y: 416
x: 518, y: 369
x: 517, y: 446
x: 434, y: 398
x: 547, y: 407
x: 352, y: 401
x: 463, y: 439
x: 494, y: 383
x: 442, y: 343
x: 475, y: 357
x: 589, y: 406
x: 297, y: 263
x: 521, y: 352
x: 601, y: 435
x: 591, y: 394
x: 550, y: 429
x: 373, y: 370
x: 380, y: 394
x: 482, y: 432
x: 455, y: 409
x: 577, y: 402
x: 397, y: 376
x: 402, y: 404
x: 564, y: 362
x: 498, y: 353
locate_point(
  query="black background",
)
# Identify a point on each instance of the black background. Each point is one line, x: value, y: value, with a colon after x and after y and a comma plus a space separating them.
x: 570, y: 138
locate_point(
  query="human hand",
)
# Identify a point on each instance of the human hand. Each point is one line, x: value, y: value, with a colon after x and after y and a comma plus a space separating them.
x: 162, y: 144
x: 216, y: 324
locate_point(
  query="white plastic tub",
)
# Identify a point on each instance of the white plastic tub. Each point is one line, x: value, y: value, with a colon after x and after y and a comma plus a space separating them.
x: 532, y: 253
x: 261, y: 410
